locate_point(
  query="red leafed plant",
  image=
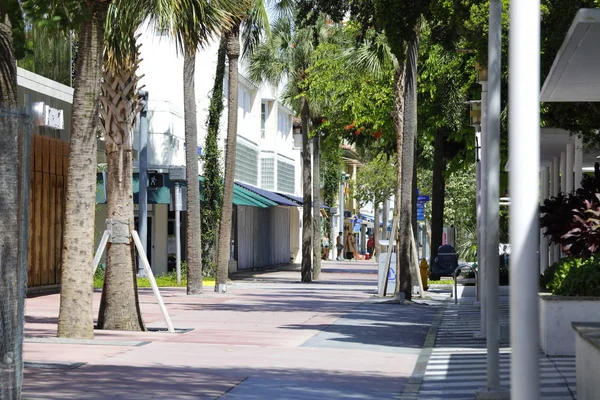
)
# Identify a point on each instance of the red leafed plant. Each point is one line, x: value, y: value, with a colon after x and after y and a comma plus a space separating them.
x: 583, y: 239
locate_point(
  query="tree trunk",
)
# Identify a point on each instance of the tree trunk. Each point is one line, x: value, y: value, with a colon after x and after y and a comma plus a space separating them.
x: 376, y: 229
x: 120, y: 105
x: 438, y: 193
x: 233, y: 54
x: 75, y: 317
x: 407, y: 263
x: 194, y: 249
x: 307, y: 197
x: 12, y: 273
x: 399, y: 125
x: 316, y: 210
x: 212, y: 186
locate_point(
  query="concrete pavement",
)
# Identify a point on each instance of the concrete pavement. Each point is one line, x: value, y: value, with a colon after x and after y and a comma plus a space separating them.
x: 269, y: 337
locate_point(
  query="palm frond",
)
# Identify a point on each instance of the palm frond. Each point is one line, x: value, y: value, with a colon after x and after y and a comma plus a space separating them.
x: 255, y: 27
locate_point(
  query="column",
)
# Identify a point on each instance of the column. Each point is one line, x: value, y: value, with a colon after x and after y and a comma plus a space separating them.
x: 544, y: 242
x: 524, y: 153
x: 555, y: 191
x: 569, y: 167
x: 578, y: 173
x: 563, y: 173
x: 484, y: 179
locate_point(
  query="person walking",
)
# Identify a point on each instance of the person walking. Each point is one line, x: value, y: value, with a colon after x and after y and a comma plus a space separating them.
x: 325, y: 247
x: 350, y: 247
x: 371, y: 246
x: 339, y: 246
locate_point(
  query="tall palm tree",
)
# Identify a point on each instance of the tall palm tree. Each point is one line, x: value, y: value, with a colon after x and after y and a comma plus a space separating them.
x: 120, y: 104
x: 192, y: 23
x: 12, y: 273
x: 252, y: 21
x: 287, y: 55
x: 75, y: 317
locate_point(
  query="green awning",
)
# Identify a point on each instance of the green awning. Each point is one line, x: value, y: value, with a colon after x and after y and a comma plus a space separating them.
x: 162, y: 195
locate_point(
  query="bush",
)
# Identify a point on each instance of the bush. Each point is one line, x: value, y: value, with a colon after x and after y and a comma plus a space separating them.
x: 573, y: 277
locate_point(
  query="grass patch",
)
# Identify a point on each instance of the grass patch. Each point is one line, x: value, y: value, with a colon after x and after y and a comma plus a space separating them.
x: 168, y: 280
x: 442, y: 282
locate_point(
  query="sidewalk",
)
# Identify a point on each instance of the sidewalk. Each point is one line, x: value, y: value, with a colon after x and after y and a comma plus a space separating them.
x: 269, y: 337
x: 453, y: 361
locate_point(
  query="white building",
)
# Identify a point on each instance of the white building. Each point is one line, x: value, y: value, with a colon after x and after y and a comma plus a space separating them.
x: 265, y: 156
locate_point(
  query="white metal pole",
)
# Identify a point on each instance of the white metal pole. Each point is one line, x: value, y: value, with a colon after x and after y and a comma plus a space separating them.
x: 478, y: 210
x: 178, y: 205
x: 100, y: 249
x: 492, y: 216
x: 578, y: 163
x: 143, y: 175
x: 483, y: 202
x: 342, y: 217
x: 146, y: 264
x: 563, y: 172
x: 555, y: 191
x: 544, y: 243
x: 569, y: 161
x: 524, y: 147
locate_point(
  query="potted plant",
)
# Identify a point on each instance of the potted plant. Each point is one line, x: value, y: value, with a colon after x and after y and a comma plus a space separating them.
x: 571, y: 287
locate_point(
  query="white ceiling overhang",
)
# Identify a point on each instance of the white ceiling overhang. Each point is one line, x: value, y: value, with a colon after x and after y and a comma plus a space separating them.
x: 575, y: 73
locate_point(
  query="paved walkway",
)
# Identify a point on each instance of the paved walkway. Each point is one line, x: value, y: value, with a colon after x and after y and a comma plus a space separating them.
x: 269, y: 337
x: 453, y: 362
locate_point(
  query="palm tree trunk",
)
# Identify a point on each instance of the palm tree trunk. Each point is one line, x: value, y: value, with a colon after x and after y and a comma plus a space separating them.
x: 399, y: 86
x: 194, y: 241
x: 407, y: 262
x: 438, y: 192
x: 12, y: 281
x: 75, y: 317
x: 307, y: 197
x: 120, y: 104
x: 119, y: 307
x: 233, y: 54
x: 316, y: 210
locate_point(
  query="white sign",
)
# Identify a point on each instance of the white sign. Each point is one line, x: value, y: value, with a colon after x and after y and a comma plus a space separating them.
x: 53, y: 118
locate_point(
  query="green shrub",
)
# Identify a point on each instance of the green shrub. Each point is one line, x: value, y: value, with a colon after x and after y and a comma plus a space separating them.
x: 573, y: 277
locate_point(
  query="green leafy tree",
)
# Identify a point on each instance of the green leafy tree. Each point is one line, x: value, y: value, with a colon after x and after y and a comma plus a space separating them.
x: 374, y: 184
x: 212, y: 186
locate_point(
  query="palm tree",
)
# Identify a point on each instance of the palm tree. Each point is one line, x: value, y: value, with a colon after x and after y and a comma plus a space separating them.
x: 287, y: 55
x: 12, y: 270
x: 75, y: 317
x: 192, y: 23
x: 252, y: 21
x: 120, y: 104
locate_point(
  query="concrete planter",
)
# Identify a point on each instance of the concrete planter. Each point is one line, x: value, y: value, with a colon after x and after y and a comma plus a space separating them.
x: 556, y: 315
x: 587, y: 344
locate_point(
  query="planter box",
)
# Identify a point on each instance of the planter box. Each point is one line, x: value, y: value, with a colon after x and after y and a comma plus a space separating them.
x: 556, y: 315
x: 587, y: 344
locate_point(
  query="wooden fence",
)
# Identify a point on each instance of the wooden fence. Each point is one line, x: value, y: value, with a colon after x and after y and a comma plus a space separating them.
x: 48, y: 184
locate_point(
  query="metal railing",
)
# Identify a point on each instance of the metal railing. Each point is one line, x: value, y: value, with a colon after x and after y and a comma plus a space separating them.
x: 454, y: 275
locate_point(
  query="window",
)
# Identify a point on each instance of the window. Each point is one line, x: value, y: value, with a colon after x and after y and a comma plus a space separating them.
x: 244, y: 101
x: 284, y: 123
x: 263, y: 119
x: 246, y: 164
x: 267, y: 173
x: 285, y: 177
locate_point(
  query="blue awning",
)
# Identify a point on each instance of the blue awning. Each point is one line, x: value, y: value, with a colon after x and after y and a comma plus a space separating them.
x: 281, y: 200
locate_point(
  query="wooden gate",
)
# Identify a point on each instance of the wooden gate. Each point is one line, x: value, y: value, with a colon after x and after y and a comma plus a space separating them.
x: 48, y: 184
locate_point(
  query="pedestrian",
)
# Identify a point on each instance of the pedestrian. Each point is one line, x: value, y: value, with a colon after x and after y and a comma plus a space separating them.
x: 325, y: 247
x: 371, y: 245
x: 350, y: 247
x: 339, y: 246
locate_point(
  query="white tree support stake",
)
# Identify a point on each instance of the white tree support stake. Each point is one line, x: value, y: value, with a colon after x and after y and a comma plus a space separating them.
x: 100, y: 250
x: 161, y: 304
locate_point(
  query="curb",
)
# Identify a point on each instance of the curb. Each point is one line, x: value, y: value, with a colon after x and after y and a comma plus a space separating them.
x: 411, y: 390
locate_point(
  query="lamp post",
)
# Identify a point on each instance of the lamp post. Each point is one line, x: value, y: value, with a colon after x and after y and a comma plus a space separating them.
x: 344, y: 177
